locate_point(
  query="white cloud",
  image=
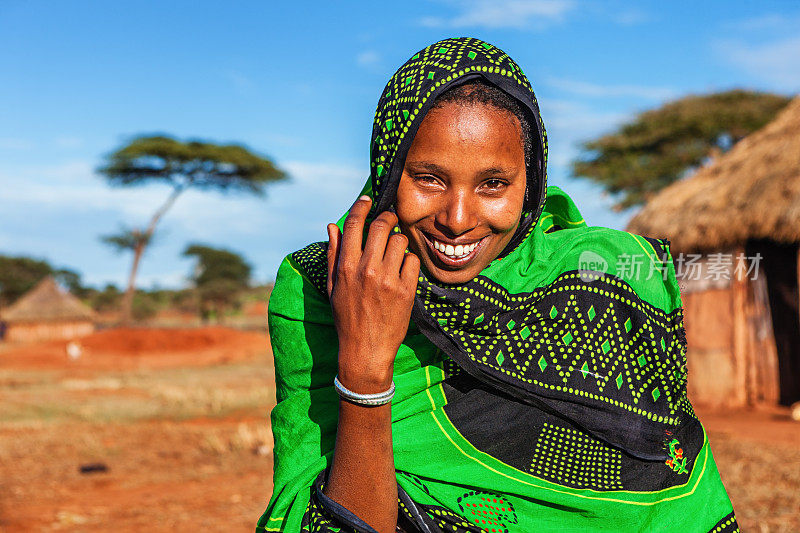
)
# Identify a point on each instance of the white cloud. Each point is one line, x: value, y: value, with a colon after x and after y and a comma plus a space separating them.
x: 68, y: 142
x: 569, y: 123
x: 631, y: 17
x: 368, y: 58
x: 11, y: 143
x: 768, y: 22
x: 582, y: 88
x: 241, y: 82
x: 776, y: 62
x: 519, y: 14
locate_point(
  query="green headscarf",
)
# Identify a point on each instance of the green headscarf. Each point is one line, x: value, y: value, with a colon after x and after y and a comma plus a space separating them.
x: 553, y: 383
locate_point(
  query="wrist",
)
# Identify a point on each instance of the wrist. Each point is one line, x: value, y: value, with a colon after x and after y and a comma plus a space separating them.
x: 363, y: 379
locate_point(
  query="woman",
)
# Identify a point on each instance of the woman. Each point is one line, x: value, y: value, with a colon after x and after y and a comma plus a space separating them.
x: 535, y: 383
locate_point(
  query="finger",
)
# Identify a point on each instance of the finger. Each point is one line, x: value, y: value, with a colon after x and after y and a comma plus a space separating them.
x: 352, y: 234
x: 409, y: 273
x: 334, y: 237
x: 395, y: 250
x: 379, y: 232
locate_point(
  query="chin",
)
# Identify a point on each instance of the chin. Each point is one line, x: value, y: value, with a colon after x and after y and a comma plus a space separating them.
x: 450, y: 277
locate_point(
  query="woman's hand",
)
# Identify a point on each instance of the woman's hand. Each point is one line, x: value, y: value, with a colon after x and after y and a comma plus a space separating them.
x: 371, y: 293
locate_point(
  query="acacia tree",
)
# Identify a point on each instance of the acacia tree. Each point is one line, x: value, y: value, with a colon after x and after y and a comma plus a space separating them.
x: 181, y: 165
x: 660, y: 146
x: 219, y: 276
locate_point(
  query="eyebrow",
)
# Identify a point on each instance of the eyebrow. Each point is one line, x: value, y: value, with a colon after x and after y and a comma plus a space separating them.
x: 436, y: 169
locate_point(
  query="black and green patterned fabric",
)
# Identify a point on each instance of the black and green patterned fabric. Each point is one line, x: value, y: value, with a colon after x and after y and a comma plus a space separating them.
x: 546, y: 394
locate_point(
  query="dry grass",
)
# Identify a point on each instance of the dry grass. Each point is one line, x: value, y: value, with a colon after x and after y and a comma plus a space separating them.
x: 32, y: 399
x: 763, y: 482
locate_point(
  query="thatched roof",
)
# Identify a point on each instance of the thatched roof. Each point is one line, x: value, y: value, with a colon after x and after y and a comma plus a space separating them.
x: 47, y: 302
x: 751, y: 192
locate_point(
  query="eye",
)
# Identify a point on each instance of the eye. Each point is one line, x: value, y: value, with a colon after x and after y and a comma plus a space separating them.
x: 495, y: 184
x: 427, y: 180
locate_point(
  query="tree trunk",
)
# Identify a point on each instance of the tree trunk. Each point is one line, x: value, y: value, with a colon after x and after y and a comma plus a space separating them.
x: 127, y: 300
x: 141, y: 244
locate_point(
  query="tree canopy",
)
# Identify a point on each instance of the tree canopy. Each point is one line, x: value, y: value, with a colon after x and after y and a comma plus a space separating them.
x: 219, y: 275
x: 181, y: 165
x: 197, y: 164
x: 20, y: 274
x: 660, y: 146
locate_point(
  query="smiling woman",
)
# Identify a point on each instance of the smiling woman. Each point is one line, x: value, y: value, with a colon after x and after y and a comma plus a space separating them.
x: 447, y: 363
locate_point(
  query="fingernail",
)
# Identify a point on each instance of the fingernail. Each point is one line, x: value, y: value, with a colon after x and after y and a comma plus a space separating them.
x: 364, y: 197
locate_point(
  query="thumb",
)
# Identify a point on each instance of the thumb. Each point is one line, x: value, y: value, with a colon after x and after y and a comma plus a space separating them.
x: 334, y: 236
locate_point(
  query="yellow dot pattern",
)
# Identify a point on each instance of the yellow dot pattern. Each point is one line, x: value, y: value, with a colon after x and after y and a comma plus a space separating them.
x: 573, y: 458
x: 726, y: 525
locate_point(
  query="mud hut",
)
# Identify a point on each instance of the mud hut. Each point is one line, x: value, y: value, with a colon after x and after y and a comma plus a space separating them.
x: 46, y: 312
x: 734, y: 228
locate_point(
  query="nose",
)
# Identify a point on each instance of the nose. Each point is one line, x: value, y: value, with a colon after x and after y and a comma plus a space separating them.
x: 458, y: 214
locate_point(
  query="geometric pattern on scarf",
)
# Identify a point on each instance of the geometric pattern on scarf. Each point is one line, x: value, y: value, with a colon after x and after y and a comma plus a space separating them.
x: 595, y: 339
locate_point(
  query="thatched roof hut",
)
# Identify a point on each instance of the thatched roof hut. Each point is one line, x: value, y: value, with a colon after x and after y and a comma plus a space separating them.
x: 741, y: 211
x: 751, y: 192
x: 47, y: 312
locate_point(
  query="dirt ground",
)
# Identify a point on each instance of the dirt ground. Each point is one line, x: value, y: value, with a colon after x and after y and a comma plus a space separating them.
x: 176, y: 424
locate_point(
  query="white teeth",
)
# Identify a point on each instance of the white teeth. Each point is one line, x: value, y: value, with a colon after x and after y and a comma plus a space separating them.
x: 460, y: 250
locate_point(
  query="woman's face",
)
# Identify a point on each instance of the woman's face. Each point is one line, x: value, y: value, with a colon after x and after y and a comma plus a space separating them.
x: 461, y: 195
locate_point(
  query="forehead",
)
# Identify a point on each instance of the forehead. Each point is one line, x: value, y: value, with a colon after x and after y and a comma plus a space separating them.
x: 458, y: 126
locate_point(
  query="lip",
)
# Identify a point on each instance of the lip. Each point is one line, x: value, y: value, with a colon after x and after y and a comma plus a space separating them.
x: 452, y: 262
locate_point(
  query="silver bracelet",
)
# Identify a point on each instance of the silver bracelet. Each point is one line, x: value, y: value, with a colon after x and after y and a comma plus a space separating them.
x: 379, y: 398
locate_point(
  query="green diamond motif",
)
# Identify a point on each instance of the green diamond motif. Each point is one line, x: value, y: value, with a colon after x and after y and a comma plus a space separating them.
x: 663, y: 346
x: 591, y: 313
x: 606, y: 346
x: 380, y: 170
x: 656, y: 394
x: 472, y: 55
x: 585, y: 368
x: 442, y: 321
x: 405, y: 114
x: 416, y: 56
x: 389, y: 125
x: 628, y: 325
x: 642, y: 360
x: 409, y: 79
x: 525, y: 332
x: 553, y: 312
x: 510, y: 325
x: 542, y: 363
x: 430, y: 75
x: 442, y: 50
x: 478, y: 320
x: 567, y: 338
x: 619, y: 380
x: 500, y: 358
x: 486, y: 45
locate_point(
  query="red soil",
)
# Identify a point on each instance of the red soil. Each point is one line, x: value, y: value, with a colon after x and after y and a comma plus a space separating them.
x: 121, y: 348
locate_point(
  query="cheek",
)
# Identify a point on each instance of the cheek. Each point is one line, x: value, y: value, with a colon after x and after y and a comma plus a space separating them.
x: 503, y: 214
x: 412, y: 205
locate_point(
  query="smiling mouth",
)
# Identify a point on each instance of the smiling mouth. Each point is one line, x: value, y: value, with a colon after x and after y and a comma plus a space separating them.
x: 453, y: 256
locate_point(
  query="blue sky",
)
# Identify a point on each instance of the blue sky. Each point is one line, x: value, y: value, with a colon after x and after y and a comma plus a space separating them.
x: 299, y: 81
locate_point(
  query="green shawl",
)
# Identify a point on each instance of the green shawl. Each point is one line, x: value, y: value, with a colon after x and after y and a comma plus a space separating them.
x: 547, y: 394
